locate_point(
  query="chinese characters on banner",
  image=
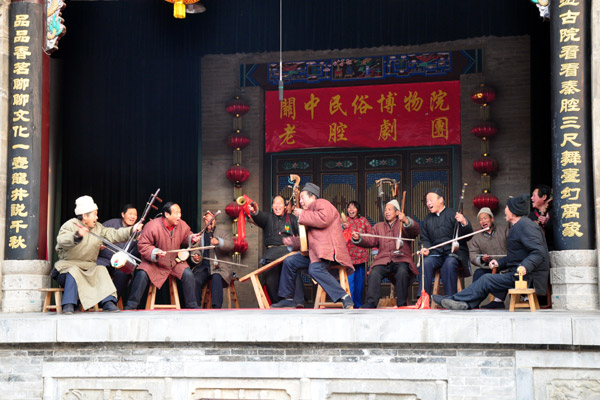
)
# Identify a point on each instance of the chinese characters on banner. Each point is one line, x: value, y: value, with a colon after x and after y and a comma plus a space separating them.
x: 24, y: 131
x: 403, y: 115
x: 571, y: 130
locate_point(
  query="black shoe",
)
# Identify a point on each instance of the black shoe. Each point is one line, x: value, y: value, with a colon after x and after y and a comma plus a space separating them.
x: 284, y: 304
x: 110, y: 306
x: 437, y: 298
x: 68, y: 309
x: 128, y: 308
x: 368, y: 305
x: 347, y: 302
x: 454, y: 305
x: 494, y: 305
x: 299, y: 305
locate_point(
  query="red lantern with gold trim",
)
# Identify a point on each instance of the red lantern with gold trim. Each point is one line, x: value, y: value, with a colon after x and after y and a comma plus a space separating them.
x: 486, y: 129
x: 240, y: 245
x: 238, y: 174
x: 485, y: 165
x: 483, y: 95
x: 486, y: 200
x: 238, y: 141
x: 237, y: 107
x: 233, y: 209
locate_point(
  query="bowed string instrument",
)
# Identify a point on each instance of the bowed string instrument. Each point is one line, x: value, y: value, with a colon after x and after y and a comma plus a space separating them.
x: 293, y: 203
x: 459, y: 210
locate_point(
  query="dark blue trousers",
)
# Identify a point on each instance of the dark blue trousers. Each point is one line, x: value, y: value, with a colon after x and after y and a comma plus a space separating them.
x: 398, y: 273
x: 318, y: 271
x: 479, y: 272
x: 201, y: 276
x: 120, y: 280
x: 488, y: 283
x: 449, y: 272
x: 357, y: 284
x: 71, y: 294
x: 141, y: 280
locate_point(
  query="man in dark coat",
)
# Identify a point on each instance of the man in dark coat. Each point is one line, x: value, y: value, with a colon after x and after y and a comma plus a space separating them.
x: 397, y: 265
x: 438, y: 227
x: 527, y: 252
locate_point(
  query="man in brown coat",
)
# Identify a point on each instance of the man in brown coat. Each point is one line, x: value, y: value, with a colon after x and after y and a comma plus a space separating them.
x: 326, y: 246
x: 397, y: 265
x: 160, y: 235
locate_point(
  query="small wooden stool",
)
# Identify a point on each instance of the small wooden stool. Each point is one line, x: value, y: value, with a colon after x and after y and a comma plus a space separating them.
x: 321, y: 297
x: 174, y: 305
x: 515, y: 299
x: 230, y: 292
x: 57, y: 299
x: 438, y: 278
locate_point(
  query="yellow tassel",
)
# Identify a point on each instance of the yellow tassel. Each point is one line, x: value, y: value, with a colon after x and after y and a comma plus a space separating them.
x: 179, y: 9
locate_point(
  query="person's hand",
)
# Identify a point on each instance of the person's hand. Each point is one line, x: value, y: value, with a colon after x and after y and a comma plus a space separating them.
x: 287, y: 241
x: 494, y: 264
x: 161, y: 253
x: 214, y: 241
x: 138, y: 226
x: 252, y: 209
x: 196, y: 258
x: 196, y: 237
x: 402, y: 217
x: 297, y: 211
x: 424, y: 252
x: 346, y: 225
x: 522, y: 270
x: 81, y: 231
x: 461, y: 218
x: 543, y: 219
x: 486, y: 258
x: 355, y: 235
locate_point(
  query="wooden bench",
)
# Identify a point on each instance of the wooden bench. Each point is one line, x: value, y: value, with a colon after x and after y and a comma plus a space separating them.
x: 174, y: 292
x: 230, y: 291
x: 321, y: 297
x: 57, y: 306
x: 261, y: 297
x: 515, y: 299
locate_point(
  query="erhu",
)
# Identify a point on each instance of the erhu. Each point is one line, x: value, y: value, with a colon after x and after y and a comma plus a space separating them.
x: 459, y: 210
x: 183, y: 255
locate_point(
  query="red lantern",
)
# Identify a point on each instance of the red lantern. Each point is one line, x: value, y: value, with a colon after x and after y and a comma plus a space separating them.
x: 238, y: 141
x: 485, y: 165
x: 233, y: 209
x: 486, y: 200
x: 238, y: 174
x: 240, y: 245
x: 237, y: 107
x: 483, y: 95
x: 485, y: 130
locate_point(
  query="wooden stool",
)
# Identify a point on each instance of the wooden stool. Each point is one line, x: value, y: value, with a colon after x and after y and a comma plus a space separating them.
x: 438, y: 278
x: 515, y: 299
x: 321, y: 297
x: 231, y: 294
x: 174, y: 305
x: 48, y: 299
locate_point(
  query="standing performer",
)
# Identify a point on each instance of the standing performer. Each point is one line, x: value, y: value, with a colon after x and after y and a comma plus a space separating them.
x: 119, y: 277
x: 276, y: 225
x: 541, y: 202
x: 168, y: 232
x: 359, y: 255
x: 76, y: 270
x: 438, y: 227
x: 207, y: 264
x: 397, y: 265
x: 527, y: 252
x: 326, y: 245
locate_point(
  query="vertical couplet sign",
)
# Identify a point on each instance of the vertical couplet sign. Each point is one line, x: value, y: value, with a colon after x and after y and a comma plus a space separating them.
x: 377, y: 116
x: 24, y: 130
x: 571, y: 128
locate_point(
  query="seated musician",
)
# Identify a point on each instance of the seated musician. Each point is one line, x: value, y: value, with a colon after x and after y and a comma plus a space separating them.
x: 526, y: 252
x: 159, y: 237
x: 389, y: 263
x: 440, y: 226
x: 276, y: 225
x: 120, y: 277
x: 326, y: 246
x: 484, y: 246
x: 205, y: 262
x: 76, y: 269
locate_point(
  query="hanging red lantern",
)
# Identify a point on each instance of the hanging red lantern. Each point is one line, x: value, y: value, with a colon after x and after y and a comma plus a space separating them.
x: 486, y: 129
x: 237, y: 107
x: 483, y: 95
x: 485, y: 165
x: 486, y: 200
x: 238, y: 174
x: 233, y: 209
x: 240, y: 245
x: 238, y: 141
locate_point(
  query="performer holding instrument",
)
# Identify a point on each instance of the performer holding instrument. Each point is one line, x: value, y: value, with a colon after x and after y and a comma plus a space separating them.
x: 356, y: 223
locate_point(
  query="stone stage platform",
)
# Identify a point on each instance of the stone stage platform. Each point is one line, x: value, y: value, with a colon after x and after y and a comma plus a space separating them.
x: 301, y: 354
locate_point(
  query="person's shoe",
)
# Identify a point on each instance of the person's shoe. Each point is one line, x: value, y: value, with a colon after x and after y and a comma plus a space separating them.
x: 368, y: 305
x: 494, y: 305
x: 454, y: 305
x: 68, y: 309
x: 299, y: 305
x: 347, y: 302
x: 437, y: 298
x: 285, y: 303
x: 110, y: 306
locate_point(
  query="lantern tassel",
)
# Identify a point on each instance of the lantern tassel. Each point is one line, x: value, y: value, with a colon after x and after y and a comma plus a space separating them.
x: 179, y: 9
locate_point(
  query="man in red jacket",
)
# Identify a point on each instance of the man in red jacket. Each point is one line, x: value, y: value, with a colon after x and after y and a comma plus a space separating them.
x: 389, y: 263
x: 326, y: 246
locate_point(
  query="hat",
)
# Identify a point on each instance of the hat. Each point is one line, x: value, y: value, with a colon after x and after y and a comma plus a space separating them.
x: 394, y: 203
x: 84, y: 205
x: 312, y: 188
x: 519, y: 205
x: 437, y: 191
x: 485, y: 210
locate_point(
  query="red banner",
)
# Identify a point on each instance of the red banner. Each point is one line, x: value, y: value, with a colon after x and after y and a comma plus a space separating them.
x: 407, y: 115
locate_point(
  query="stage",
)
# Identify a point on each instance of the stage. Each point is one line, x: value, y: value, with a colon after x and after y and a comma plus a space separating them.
x: 300, y: 354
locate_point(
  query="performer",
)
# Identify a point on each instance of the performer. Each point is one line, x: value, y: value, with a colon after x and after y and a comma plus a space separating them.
x: 168, y: 232
x: 276, y: 225
x: 398, y: 266
x: 438, y: 227
x: 76, y: 269
x: 483, y: 246
x: 120, y: 278
x: 326, y: 245
x: 359, y: 255
x: 205, y: 264
x: 527, y: 252
x: 541, y: 202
